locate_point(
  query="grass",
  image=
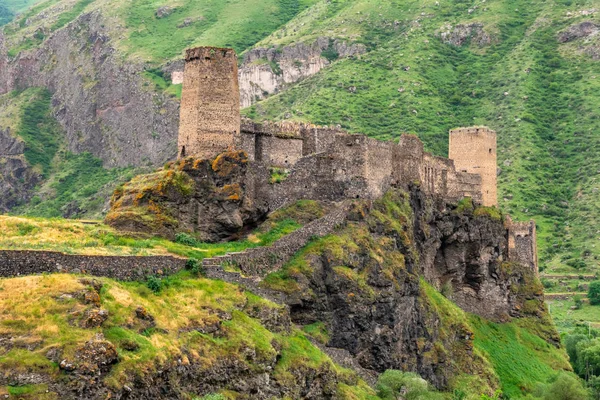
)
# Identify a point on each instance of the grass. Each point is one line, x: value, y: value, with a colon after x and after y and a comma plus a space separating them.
x: 519, y: 358
x: 41, y: 309
x: 39, y: 130
x: 238, y: 24
x: 95, y: 238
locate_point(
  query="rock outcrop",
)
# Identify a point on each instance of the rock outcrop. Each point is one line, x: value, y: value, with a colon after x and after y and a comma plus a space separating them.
x: 210, y: 198
x: 100, y: 101
x: 266, y: 71
x: 17, y: 178
x: 586, y: 35
x: 462, y: 34
x: 368, y: 285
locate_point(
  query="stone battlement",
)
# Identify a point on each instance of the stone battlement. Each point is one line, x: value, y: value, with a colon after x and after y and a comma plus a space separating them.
x: 326, y: 163
x: 473, y: 130
x: 208, y: 53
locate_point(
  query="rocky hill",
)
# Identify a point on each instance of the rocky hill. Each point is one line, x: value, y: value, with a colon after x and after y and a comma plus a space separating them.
x: 397, y: 284
x: 528, y: 69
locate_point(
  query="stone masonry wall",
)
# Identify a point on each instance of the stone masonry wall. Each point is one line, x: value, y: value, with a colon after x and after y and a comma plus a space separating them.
x: 474, y: 150
x: 522, y: 242
x: 210, y: 114
x: 25, y: 262
x: 262, y: 260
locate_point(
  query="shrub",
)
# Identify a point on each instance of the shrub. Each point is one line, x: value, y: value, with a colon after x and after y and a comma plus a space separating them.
x: 195, y: 266
x: 578, y: 302
x: 594, y: 293
x: 185, y: 239
x: 154, y: 284
x: 447, y: 290
x: 565, y: 386
x: 394, y: 384
x: 547, y: 283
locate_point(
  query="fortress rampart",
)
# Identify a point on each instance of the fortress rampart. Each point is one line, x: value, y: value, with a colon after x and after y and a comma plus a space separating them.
x: 324, y: 163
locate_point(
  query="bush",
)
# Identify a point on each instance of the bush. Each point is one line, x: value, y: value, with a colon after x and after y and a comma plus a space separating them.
x: 594, y: 293
x: 565, y: 386
x: 195, y: 266
x: 154, y: 284
x: 185, y: 239
x: 547, y: 283
x: 410, y: 386
x: 578, y: 302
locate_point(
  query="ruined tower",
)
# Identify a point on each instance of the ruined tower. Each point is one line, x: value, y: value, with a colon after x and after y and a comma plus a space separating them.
x: 210, y: 103
x: 474, y: 150
x: 522, y: 242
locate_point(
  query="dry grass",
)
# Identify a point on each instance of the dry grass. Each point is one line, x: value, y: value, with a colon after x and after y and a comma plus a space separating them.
x: 69, y: 236
x: 43, y: 312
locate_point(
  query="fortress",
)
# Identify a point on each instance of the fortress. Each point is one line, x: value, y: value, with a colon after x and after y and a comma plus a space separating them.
x: 326, y: 163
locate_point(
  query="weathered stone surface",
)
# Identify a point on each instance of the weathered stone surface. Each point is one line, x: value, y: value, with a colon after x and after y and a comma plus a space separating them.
x: 585, y: 35
x: 258, y: 77
x: 578, y: 31
x: 386, y: 321
x: 23, y: 262
x: 462, y: 34
x: 212, y: 198
x: 17, y: 178
x: 100, y: 101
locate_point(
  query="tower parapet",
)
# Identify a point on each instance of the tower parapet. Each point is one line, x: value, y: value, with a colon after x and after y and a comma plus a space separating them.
x: 210, y: 111
x: 473, y: 150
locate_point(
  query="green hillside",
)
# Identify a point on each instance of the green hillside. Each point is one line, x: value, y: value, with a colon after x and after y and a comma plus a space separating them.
x: 541, y: 97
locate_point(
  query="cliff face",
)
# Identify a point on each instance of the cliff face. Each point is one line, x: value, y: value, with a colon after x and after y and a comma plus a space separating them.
x: 17, y: 179
x: 101, y: 102
x: 370, y: 285
x: 211, y: 198
x: 267, y: 71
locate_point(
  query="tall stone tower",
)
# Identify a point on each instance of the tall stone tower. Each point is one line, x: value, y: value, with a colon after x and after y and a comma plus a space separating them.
x: 474, y: 150
x: 209, y: 120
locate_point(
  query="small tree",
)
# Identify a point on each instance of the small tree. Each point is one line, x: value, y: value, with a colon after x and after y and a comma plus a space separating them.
x: 578, y: 302
x: 594, y: 293
x: 566, y: 387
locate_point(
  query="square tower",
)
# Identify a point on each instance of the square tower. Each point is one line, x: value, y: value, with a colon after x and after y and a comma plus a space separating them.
x: 209, y: 120
x: 474, y: 150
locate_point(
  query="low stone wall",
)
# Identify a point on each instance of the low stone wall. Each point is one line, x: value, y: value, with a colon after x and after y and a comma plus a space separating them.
x: 262, y: 260
x: 128, y: 268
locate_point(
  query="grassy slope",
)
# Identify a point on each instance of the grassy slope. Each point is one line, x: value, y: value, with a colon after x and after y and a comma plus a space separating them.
x: 39, y: 319
x: 95, y: 238
x: 519, y: 358
x: 141, y: 35
x: 549, y: 147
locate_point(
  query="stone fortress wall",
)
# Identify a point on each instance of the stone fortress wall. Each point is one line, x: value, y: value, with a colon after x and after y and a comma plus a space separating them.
x: 325, y: 163
x: 522, y: 242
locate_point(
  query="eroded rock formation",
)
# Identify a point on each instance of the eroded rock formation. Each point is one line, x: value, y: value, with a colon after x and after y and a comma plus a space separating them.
x: 267, y: 71
x: 17, y: 178
x: 99, y: 100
